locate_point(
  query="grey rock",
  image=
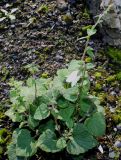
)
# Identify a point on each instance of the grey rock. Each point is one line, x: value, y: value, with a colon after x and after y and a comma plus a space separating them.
x: 62, y: 5
x: 111, y: 26
x: 59, y: 58
x: 117, y: 144
x: 12, y: 26
x: 111, y: 154
x: 118, y: 127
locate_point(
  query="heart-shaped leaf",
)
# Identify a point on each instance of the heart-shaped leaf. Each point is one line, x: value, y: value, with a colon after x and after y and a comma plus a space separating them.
x: 25, y: 146
x: 81, y: 141
x: 96, y: 124
x: 41, y: 112
x: 48, y: 142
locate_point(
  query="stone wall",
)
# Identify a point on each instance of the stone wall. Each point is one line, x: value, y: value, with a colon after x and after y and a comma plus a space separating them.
x: 111, y: 26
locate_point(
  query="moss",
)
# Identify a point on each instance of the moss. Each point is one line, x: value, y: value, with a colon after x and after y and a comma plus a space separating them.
x: 119, y: 101
x: 42, y: 9
x: 111, y: 98
x: 88, y: 59
x: 115, y: 54
x: 80, y: 33
x: 42, y: 58
x: 2, y: 26
x: 1, y: 56
x: 67, y: 18
x: 111, y: 78
x: 45, y: 75
x: 4, y: 136
x: 102, y: 96
x: 2, y: 115
x: 86, y: 15
x: 1, y: 150
x: 98, y: 86
x: 117, y: 115
x: 5, y: 73
x: 98, y: 75
x: 118, y: 76
x: 48, y: 49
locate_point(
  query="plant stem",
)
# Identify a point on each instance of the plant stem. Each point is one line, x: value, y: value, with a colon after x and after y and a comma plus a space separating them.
x: 84, y: 53
x: 56, y: 121
x: 35, y: 90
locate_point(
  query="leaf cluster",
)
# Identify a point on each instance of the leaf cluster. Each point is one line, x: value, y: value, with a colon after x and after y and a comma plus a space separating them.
x: 55, y: 114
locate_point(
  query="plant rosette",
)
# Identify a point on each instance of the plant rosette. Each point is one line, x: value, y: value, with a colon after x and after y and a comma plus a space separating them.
x: 60, y: 112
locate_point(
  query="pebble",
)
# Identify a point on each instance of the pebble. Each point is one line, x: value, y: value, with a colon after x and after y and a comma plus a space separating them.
x: 111, y: 154
x: 113, y: 93
x: 5, y: 49
x: 100, y: 148
x: 117, y: 89
x: 58, y: 58
x: 105, y: 89
x: 118, y: 127
x: 60, y: 52
x: 117, y: 144
x: 112, y: 110
x: 62, y: 5
x: 115, y: 129
x: 12, y: 26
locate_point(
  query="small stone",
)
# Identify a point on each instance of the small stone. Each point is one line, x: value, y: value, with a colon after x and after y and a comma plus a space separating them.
x: 117, y: 144
x: 111, y: 154
x: 60, y: 52
x: 117, y: 89
x: 72, y: 1
x: 62, y: 5
x: 58, y: 58
x: 112, y: 110
x: 113, y: 93
x: 105, y: 88
x: 12, y: 26
x: 5, y: 49
x: 118, y: 127
x: 101, y: 149
x: 115, y: 129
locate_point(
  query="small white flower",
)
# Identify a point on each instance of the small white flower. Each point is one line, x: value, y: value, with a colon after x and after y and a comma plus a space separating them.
x: 73, y: 78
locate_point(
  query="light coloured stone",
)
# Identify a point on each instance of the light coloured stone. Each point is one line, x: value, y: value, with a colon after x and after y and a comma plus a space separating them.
x: 111, y: 26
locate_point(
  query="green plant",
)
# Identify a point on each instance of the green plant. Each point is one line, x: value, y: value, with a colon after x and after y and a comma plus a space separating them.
x: 32, y: 68
x: 55, y: 114
x: 114, y: 53
x: 91, y: 30
x: 10, y: 15
x: 42, y: 9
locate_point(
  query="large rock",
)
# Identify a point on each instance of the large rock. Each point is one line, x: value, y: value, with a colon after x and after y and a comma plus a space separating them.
x: 111, y: 26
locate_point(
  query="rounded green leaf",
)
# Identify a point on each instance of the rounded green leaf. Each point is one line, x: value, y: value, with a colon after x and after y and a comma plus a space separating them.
x: 11, y: 149
x: 86, y: 105
x: 25, y: 146
x: 74, y: 148
x: 47, y: 142
x: 61, y: 143
x: 71, y: 94
x: 81, y: 141
x: 96, y: 124
x: 41, y: 112
x: 32, y: 122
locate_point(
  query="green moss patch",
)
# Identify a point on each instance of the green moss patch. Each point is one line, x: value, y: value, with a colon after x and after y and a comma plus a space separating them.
x: 115, y: 54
